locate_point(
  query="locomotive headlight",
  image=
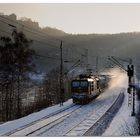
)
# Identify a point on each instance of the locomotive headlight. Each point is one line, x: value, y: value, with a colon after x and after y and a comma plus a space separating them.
x: 90, y: 80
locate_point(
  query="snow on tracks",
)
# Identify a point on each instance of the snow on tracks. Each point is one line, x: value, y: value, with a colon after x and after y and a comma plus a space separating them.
x: 45, y: 122
x: 74, y: 121
x: 12, y: 126
x: 86, y: 126
x: 82, y: 119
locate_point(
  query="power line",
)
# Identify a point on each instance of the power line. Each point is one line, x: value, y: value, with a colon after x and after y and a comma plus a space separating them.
x: 33, y: 34
x: 30, y: 38
x: 34, y: 40
x: 57, y: 59
x: 23, y: 25
x: 46, y: 43
x: 38, y: 54
x: 4, y: 31
x: 31, y: 31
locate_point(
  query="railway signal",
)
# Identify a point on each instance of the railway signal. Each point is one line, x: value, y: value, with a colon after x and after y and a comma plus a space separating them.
x: 130, y: 70
x: 130, y: 74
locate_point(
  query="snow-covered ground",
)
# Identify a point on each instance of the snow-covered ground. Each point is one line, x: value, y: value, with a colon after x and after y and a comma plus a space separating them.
x: 123, y: 123
x: 11, y: 125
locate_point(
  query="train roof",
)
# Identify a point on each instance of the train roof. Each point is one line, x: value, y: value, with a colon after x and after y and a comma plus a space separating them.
x: 88, y: 78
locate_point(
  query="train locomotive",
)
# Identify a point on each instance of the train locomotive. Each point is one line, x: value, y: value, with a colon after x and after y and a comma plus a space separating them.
x: 87, y: 87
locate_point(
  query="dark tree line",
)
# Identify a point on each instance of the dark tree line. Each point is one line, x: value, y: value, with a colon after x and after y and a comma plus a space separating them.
x: 15, y: 64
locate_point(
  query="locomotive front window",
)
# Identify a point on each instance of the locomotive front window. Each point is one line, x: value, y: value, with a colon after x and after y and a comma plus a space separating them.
x: 84, y: 84
x: 75, y: 84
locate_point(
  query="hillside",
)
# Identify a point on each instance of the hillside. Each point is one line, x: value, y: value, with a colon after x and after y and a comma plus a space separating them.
x: 47, y: 40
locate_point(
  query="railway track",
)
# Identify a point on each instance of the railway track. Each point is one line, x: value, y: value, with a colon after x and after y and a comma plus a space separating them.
x: 45, y: 122
x: 90, y: 126
x: 73, y: 106
x: 59, y: 121
x: 103, y: 122
x: 50, y: 121
x: 83, y: 127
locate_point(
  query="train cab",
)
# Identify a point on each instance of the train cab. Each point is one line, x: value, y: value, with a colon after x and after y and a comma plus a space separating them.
x: 84, y: 89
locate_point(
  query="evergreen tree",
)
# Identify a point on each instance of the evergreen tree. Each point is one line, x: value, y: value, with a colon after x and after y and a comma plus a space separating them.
x: 16, y: 62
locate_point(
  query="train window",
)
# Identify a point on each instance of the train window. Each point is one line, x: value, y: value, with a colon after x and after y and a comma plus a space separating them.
x: 97, y: 84
x: 92, y: 86
x: 84, y: 84
x: 75, y: 84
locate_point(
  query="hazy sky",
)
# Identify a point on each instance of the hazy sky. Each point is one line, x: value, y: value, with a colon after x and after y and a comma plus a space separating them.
x: 80, y: 18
